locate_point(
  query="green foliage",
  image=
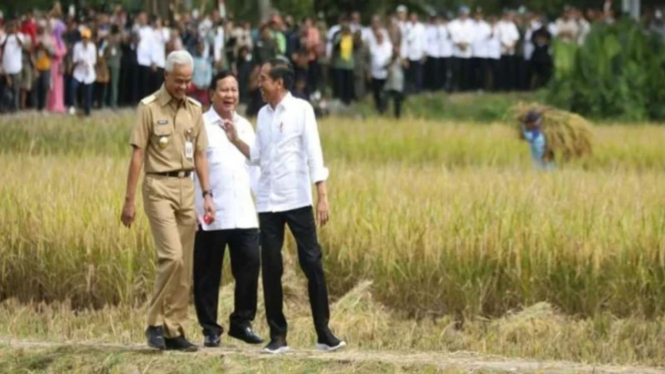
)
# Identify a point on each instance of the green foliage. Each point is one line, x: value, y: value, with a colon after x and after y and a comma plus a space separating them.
x: 619, y: 73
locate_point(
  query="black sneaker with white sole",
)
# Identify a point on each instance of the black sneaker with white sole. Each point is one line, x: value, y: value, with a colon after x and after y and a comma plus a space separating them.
x: 327, y: 342
x: 276, y: 346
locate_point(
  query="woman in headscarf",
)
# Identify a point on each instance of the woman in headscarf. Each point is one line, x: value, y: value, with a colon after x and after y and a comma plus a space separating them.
x: 56, y: 101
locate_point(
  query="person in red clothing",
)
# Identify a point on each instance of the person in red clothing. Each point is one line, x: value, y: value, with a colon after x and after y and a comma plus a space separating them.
x: 29, y: 27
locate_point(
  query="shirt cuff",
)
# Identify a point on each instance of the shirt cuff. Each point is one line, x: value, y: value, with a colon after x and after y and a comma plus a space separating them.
x: 319, y: 175
x: 254, y: 155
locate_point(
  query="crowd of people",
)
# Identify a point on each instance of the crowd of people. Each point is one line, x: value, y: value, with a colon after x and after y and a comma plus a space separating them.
x: 94, y: 59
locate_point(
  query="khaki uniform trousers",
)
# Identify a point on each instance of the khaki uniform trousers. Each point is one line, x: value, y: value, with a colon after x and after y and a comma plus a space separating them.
x: 169, y: 205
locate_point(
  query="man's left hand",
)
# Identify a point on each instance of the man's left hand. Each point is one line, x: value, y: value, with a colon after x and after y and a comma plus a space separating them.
x: 209, y: 208
x: 322, y: 212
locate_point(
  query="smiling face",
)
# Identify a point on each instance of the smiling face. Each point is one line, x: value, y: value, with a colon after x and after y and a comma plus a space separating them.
x: 225, y: 96
x: 177, y: 81
x: 270, y: 88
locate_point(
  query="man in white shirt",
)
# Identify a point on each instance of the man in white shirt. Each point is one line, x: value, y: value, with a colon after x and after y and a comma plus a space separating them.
x: 144, y: 55
x: 415, y: 40
x: 509, y: 36
x: 236, y: 225
x: 433, y: 49
x: 84, y: 59
x: 462, y: 32
x: 494, y: 52
x: 480, y: 48
x: 445, y: 53
x: 11, y: 47
x: 160, y: 37
x: 381, y: 51
x: 288, y: 149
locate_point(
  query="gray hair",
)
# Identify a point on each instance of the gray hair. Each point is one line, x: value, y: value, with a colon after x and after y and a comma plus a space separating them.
x: 178, y: 58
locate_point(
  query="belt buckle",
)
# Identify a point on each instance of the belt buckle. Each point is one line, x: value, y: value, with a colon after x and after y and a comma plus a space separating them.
x: 181, y: 174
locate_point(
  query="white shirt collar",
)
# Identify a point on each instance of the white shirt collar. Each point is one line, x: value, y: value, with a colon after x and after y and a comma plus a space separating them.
x: 284, y: 104
x: 214, y: 116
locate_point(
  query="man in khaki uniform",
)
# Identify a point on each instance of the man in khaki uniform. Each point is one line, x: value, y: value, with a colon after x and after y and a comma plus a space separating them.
x: 169, y: 137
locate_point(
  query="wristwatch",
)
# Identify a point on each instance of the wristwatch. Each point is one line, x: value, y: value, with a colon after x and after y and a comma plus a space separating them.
x: 207, y: 192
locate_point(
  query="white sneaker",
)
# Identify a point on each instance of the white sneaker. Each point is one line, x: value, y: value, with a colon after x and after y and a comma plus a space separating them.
x: 72, y: 110
x: 330, y: 348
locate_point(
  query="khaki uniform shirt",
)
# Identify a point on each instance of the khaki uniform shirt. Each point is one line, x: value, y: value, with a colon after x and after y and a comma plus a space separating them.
x: 163, y: 127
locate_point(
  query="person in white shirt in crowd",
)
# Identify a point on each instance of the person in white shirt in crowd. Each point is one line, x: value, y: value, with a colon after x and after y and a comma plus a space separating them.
x: 11, y: 46
x: 381, y: 52
x: 160, y: 37
x: 236, y: 225
x: 84, y: 60
x: 494, y: 52
x: 482, y: 34
x: 402, y: 24
x: 583, y: 25
x: 433, y: 72
x: 376, y: 26
x: 462, y: 31
x: 144, y: 55
x: 288, y: 149
x: 534, y: 24
x: 445, y: 53
x: 567, y: 28
x: 415, y: 42
x: 509, y: 36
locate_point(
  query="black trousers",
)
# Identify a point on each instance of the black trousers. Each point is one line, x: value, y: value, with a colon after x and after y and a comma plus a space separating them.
x: 462, y: 74
x: 397, y: 97
x: 508, y: 73
x: 209, y: 249
x: 433, y: 73
x: 301, y: 223
x: 444, y: 68
x: 379, y: 94
x: 414, y: 77
x: 344, y: 83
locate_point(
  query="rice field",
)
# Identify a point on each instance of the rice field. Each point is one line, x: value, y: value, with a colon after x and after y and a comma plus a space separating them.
x: 446, y: 219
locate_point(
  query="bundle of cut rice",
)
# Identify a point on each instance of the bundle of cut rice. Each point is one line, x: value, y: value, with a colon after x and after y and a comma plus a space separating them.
x: 567, y: 135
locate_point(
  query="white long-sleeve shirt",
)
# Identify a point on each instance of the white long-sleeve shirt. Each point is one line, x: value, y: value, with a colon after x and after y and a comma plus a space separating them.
x: 231, y: 177
x: 445, y: 41
x: 85, y: 58
x: 288, y: 149
x: 415, y: 42
x: 158, y: 46
x: 433, y: 47
x: 462, y: 32
x: 494, y: 44
x: 528, y: 44
x: 381, y: 55
x: 509, y: 36
x: 481, y: 39
x: 144, y: 54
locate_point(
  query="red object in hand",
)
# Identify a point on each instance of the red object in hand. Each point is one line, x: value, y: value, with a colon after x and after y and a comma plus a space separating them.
x: 207, y: 219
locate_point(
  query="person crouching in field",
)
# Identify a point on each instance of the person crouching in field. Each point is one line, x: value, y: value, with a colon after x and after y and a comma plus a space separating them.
x: 533, y: 134
x: 288, y: 149
x: 236, y: 226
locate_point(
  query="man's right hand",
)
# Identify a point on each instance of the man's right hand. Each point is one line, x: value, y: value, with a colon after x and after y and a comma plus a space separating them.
x: 128, y: 214
x: 231, y: 130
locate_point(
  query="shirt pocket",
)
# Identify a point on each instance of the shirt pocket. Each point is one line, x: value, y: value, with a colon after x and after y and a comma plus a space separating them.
x: 162, y: 136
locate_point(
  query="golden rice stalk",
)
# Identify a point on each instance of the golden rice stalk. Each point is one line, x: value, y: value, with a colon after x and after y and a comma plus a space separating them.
x: 567, y: 134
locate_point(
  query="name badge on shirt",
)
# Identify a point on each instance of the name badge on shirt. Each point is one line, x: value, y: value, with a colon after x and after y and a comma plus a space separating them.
x: 189, y: 150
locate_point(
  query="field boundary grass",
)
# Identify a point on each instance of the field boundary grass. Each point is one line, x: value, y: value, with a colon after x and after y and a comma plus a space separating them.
x: 462, y: 360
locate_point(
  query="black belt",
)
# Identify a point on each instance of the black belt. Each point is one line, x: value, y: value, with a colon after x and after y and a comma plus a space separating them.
x: 175, y: 174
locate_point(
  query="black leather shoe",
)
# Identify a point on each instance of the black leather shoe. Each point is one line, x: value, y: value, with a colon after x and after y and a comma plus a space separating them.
x: 246, y: 334
x: 212, y: 341
x: 180, y: 344
x: 155, y: 337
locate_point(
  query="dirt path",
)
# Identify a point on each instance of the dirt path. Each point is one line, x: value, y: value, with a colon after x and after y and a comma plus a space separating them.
x: 466, y: 361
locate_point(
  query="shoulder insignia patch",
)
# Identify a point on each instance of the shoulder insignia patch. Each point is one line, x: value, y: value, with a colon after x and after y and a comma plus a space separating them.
x: 149, y: 99
x: 194, y: 101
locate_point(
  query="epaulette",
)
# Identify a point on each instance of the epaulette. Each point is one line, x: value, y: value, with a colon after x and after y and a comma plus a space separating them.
x: 194, y: 101
x: 149, y: 99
